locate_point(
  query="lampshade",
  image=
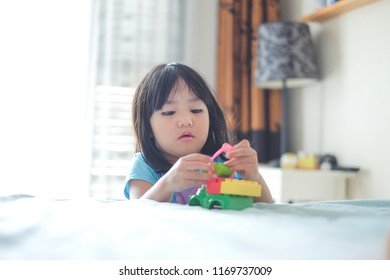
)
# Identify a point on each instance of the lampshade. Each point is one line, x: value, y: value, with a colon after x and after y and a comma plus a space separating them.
x: 285, y: 56
x: 285, y: 59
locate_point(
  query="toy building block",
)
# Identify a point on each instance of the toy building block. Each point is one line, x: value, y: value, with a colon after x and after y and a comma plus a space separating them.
x: 225, y: 193
x: 241, y: 187
x: 224, y: 201
x: 225, y: 148
x: 213, y: 186
x: 222, y: 170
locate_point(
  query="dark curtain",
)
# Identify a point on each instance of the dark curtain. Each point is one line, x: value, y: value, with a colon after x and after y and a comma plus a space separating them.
x: 254, y: 114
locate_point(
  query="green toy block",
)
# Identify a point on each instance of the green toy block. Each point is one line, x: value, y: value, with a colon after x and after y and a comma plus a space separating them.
x: 224, y: 201
x: 222, y: 170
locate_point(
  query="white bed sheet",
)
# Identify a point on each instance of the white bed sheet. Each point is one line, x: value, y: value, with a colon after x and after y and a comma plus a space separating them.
x: 36, y: 228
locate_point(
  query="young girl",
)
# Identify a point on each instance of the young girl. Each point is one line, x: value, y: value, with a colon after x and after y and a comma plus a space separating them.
x: 178, y: 127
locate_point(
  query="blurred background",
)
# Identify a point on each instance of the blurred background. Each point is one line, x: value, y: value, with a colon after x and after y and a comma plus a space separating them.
x: 68, y: 71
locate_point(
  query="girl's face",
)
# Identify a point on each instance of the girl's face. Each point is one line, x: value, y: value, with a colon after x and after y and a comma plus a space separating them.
x: 181, y: 126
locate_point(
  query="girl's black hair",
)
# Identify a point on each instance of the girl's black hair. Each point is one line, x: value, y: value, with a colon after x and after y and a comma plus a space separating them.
x: 150, y: 96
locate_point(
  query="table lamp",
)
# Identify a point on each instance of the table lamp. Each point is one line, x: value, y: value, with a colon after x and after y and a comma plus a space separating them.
x: 285, y: 59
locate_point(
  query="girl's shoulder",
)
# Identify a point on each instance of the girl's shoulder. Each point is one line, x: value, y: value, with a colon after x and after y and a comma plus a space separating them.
x: 139, y: 160
x: 139, y: 164
x: 138, y: 156
x: 140, y: 169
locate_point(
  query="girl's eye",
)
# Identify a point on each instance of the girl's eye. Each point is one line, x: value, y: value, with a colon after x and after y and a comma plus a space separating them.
x: 195, y: 111
x: 167, y: 113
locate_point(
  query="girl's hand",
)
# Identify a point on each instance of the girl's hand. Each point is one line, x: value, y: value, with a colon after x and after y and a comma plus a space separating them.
x: 244, y: 160
x: 189, y: 171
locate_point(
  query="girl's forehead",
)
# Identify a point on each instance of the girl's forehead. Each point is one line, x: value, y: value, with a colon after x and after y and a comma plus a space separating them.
x: 181, y: 89
x: 180, y: 85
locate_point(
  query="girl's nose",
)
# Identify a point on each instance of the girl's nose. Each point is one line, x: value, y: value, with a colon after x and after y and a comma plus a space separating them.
x: 185, y: 122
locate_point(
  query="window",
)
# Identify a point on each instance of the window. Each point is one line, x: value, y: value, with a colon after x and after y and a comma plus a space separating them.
x: 128, y: 38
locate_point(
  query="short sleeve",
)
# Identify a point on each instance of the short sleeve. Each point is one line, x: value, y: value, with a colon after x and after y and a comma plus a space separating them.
x: 139, y: 170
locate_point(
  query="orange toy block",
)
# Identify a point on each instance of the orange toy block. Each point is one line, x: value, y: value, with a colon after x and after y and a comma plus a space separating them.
x: 241, y: 187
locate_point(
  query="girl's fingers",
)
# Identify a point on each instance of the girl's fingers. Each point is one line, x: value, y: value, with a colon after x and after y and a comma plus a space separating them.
x: 196, y: 157
x: 238, y: 161
x: 244, y: 152
x: 198, y: 167
x: 241, y: 149
x: 194, y: 162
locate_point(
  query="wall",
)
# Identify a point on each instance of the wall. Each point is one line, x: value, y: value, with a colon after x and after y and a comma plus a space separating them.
x: 347, y: 112
x: 201, y: 38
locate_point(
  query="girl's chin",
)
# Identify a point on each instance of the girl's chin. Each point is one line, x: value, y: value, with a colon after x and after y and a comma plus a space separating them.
x: 181, y: 153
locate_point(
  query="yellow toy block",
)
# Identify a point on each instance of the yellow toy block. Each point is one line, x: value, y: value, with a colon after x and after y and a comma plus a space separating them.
x: 240, y: 187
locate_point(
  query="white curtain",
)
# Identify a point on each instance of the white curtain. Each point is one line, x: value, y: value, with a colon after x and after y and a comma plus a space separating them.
x: 128, y: 38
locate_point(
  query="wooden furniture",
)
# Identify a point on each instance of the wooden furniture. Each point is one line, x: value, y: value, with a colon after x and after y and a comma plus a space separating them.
x: 297, y: 185
x: 335, y: 9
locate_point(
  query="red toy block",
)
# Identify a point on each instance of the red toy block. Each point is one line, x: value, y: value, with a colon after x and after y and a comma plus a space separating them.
x: 213, y: 186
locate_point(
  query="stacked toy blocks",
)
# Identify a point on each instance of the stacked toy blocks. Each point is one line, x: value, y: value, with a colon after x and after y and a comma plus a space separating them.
x: 225, y: 192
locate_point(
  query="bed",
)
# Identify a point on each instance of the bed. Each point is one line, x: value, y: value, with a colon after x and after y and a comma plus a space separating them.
x: 34, y: 228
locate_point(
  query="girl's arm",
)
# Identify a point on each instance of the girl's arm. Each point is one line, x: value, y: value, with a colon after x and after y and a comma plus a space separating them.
x: 244, y: 160
x: 143, y: 189
x: 184, y: 174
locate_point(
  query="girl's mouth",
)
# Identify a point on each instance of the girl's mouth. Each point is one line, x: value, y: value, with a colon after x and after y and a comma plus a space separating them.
x: 186, y: 136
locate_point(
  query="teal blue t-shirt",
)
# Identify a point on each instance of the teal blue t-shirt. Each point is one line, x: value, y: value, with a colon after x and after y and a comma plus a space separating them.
x: 141, y: 170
